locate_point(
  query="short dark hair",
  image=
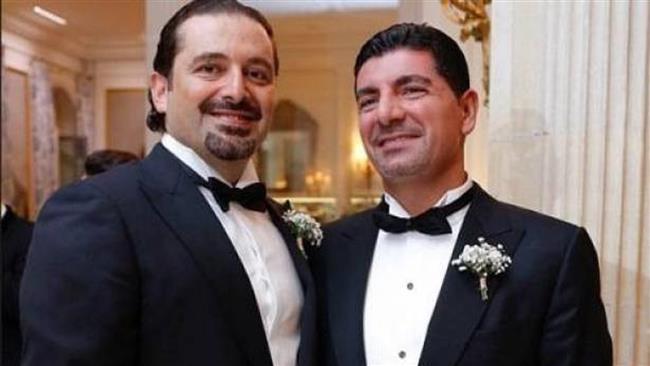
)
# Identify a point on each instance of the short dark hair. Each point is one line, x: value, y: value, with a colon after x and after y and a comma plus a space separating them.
x: 448, y: 58
x: 168, y: 46
x: 103, y: 160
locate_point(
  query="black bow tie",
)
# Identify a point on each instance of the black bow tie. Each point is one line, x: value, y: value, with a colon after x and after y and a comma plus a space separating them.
x: 431, y: 222
x: 252, y: 197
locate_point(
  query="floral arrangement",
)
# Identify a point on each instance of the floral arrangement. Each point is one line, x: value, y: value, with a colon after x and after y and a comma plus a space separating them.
x: 304, y: 227
x: 484, y: 260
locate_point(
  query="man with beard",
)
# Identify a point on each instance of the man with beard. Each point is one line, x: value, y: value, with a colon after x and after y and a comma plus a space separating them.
x: 390, y: 289
x: 179, y: 259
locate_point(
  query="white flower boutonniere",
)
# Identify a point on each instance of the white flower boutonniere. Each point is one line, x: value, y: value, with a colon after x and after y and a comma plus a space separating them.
x: 304, y: 227
x: 483, y: 260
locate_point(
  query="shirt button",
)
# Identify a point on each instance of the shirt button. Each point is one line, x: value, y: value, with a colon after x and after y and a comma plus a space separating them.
x: 409, y: 285
x: 401, y: 354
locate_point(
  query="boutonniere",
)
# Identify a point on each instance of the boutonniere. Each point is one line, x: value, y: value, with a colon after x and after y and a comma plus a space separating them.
x: 484, y: 260
x: 304, y: 227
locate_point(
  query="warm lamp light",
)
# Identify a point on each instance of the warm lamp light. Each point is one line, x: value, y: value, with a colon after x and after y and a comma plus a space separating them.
x: 359, y: 156
x: 317, y: 182
x: 360, y: 162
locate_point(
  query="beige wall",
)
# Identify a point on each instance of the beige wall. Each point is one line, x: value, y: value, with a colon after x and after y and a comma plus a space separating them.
x: 118, y: 75
x: 125, y: 110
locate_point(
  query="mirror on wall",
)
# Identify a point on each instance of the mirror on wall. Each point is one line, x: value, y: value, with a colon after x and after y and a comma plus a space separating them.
x: 286, y: 158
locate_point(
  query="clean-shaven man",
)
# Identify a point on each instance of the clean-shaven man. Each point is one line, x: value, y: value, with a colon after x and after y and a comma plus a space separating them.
x: 389, y: 292
x: 179, y: 259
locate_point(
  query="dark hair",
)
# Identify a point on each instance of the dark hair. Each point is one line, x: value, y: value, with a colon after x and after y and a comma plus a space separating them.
x: 102, y: 160
x: 168, y: 46
x: 448, y: 58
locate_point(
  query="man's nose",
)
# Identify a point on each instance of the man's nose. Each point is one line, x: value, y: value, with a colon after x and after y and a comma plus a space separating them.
x: 234, y: 87
x: 389, y: 110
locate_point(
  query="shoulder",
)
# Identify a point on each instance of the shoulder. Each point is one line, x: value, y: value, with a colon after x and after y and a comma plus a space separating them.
x: 103, y: 192
x: 118, y: 179
x: 537, y: 224
x: 542, y: 235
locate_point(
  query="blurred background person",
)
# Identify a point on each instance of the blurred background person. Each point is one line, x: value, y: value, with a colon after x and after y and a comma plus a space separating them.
x: 16, y: 235
x: 103, y: 160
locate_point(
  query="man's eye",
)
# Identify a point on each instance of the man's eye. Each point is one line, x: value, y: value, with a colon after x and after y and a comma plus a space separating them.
x: 413, y: 92
x: 208, y: 69
x: 260, y: 76
x: 366, y: 103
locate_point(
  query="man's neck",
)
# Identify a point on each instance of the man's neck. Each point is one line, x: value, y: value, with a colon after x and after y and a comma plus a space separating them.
x: 200, y: 159
x: 417, y: 195
x: 231, y: 171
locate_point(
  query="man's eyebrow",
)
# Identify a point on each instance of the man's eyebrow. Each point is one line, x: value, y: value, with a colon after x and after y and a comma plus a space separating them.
x: 401, y: 81
x: 207, y: 56
x: 261, y: 61
x: 414, y: 78
x: 365, y: 91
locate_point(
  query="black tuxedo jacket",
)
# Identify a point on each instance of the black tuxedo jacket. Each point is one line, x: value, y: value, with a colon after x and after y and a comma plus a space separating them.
x: 16, y: 235
x: 544, y: 310
x: 132, y: 268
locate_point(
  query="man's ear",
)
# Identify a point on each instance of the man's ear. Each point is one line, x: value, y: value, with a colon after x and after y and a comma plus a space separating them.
x: 469, y: 106
x: 159, y: 88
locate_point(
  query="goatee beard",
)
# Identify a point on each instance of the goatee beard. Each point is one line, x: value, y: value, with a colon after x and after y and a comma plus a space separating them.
x: 230, y: 148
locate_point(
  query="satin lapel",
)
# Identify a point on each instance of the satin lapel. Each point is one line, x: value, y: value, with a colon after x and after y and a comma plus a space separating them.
x: 346, y: 287
x: 308, y: 316
x: 181, y: 205
x: 460, y: 308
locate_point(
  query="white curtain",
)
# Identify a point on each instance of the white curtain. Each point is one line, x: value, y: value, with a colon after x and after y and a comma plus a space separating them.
x: 569, y: 135
x: 45, y: 138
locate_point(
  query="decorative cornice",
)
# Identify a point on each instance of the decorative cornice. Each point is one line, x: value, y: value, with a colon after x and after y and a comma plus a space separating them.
x: 76, y: 48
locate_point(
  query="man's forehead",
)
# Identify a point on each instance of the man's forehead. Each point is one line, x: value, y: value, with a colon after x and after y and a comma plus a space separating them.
x: 396, y: 65
x: 215, y: 27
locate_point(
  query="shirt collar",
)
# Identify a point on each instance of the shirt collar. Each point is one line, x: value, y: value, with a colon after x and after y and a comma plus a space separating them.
x: 394, y: 207
x: 190, y: 158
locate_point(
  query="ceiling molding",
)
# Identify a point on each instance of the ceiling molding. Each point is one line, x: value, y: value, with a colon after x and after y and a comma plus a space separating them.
x: 42, y: 37
x: 294, y: 7
x: 325, y: 31
x: 95, y: 51
x: 114, y: 50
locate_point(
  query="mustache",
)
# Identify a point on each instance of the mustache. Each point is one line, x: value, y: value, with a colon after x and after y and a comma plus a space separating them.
x: 383, y: 132
x: 246, y: 108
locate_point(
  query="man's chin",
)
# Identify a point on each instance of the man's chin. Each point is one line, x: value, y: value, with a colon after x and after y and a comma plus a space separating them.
x: 397, y: 169
x: 230, y: 148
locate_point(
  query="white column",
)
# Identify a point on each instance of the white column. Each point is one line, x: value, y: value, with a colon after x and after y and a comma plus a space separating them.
x: 569, y: 135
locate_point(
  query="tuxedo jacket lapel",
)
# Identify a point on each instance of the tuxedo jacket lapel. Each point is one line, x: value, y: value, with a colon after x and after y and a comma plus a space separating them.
x: 347, y: 289
x: 460, y: 308
x: 181, y: 205
x: 306, y: 353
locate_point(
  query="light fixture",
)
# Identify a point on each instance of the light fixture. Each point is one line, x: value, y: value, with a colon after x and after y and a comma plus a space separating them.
x: 49, y: 15
x: 474, y: 18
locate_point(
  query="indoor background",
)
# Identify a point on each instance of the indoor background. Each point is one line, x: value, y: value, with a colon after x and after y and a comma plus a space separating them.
x: 564, y: 121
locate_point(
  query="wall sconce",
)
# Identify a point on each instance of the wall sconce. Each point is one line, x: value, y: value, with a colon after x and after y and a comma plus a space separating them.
x: 360, y: 163
x: 318, y: 182
x: 474, y: 19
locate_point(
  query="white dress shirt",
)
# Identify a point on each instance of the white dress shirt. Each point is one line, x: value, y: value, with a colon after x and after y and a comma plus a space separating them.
x: 264, y: 255
x: 403, y: 285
